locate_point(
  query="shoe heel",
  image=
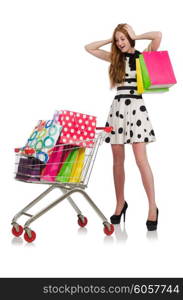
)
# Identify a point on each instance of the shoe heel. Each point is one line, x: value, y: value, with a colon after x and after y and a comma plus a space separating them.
x: 124, y: 216
x: 115, y: 219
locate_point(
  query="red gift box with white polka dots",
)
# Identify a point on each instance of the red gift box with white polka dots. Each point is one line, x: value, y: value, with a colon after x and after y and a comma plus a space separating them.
x: 77, y: 128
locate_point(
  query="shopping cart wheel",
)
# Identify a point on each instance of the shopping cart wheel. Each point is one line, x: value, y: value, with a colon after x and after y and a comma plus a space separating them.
x: 110, y: 230
x: 82, y: 221
x: 31, y: 238
x: 17, y: 231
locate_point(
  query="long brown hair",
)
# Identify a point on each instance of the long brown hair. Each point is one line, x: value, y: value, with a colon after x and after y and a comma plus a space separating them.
x: 117, y: 66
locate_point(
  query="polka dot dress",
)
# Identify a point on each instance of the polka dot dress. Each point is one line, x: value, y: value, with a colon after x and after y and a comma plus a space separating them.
x: 128, y: 114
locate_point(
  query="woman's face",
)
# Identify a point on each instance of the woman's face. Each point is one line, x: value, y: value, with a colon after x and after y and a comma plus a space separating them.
x: 122, y: 42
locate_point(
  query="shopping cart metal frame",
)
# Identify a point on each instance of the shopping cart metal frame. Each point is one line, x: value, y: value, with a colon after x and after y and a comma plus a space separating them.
x: 67, y: 189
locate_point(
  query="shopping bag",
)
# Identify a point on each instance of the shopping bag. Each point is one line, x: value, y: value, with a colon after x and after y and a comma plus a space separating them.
x: 157, y: 69
x: 66, y: 151
x: 43, y: 139
x: 64, y: 173
x: 54, y: 164
x: 145, y: 75
x: 78, y: 166
x: 156, y: 90
x: 29, y: 169
x: 77, y: 128
x: 140, y: 87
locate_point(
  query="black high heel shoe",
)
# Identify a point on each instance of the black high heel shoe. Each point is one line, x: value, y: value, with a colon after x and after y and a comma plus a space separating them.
x: 152, y: 225
x: 115, y: 219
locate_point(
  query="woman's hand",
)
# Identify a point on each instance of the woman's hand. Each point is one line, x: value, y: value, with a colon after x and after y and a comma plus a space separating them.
x: 130, y: 31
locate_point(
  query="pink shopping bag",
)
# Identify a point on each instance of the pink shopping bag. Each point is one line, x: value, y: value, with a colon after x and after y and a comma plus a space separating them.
x: 77, y: 128
x: 55, y: 162
x: 159, y: 68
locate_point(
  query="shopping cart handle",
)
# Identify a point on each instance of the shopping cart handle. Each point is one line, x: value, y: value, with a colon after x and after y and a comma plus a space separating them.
x: 106, y: 129
x: 29, y: 151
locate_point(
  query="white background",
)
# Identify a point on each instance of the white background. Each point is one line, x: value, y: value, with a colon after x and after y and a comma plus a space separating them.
x: 44, y: 67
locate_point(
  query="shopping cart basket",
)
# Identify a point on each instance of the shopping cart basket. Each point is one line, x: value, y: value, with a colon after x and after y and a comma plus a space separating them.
x: 72, y: 180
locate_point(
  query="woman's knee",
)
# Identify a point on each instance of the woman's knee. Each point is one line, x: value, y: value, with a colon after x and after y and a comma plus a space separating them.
x: 118, y: 153
x: 141, y: 161
x: 140, y: 155
x: 141, y: 158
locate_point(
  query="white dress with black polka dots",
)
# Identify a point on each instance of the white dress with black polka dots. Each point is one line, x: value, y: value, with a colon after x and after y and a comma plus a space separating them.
x: 128, y: 114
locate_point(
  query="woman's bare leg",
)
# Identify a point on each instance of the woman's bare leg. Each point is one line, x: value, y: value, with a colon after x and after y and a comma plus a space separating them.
x: 119, y: 175
x: 139, y: 150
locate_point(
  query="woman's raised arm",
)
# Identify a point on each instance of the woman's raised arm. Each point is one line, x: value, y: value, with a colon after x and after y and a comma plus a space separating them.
x: 93, y: 48
x: 154, y: 36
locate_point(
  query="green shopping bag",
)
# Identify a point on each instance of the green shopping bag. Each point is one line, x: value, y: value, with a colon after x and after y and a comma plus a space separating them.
x: 65, y: 172
x: 146, y: 79
x: 157, y: 90
x: 145, y: 75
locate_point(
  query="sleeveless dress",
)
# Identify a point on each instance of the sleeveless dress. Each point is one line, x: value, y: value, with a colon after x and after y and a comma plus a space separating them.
x: 128, y: 114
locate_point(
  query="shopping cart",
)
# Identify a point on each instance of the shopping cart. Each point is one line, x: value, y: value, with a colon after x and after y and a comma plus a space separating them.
x: 67, y: 185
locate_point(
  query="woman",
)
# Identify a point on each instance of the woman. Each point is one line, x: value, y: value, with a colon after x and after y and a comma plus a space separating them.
x: 128, y: 115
